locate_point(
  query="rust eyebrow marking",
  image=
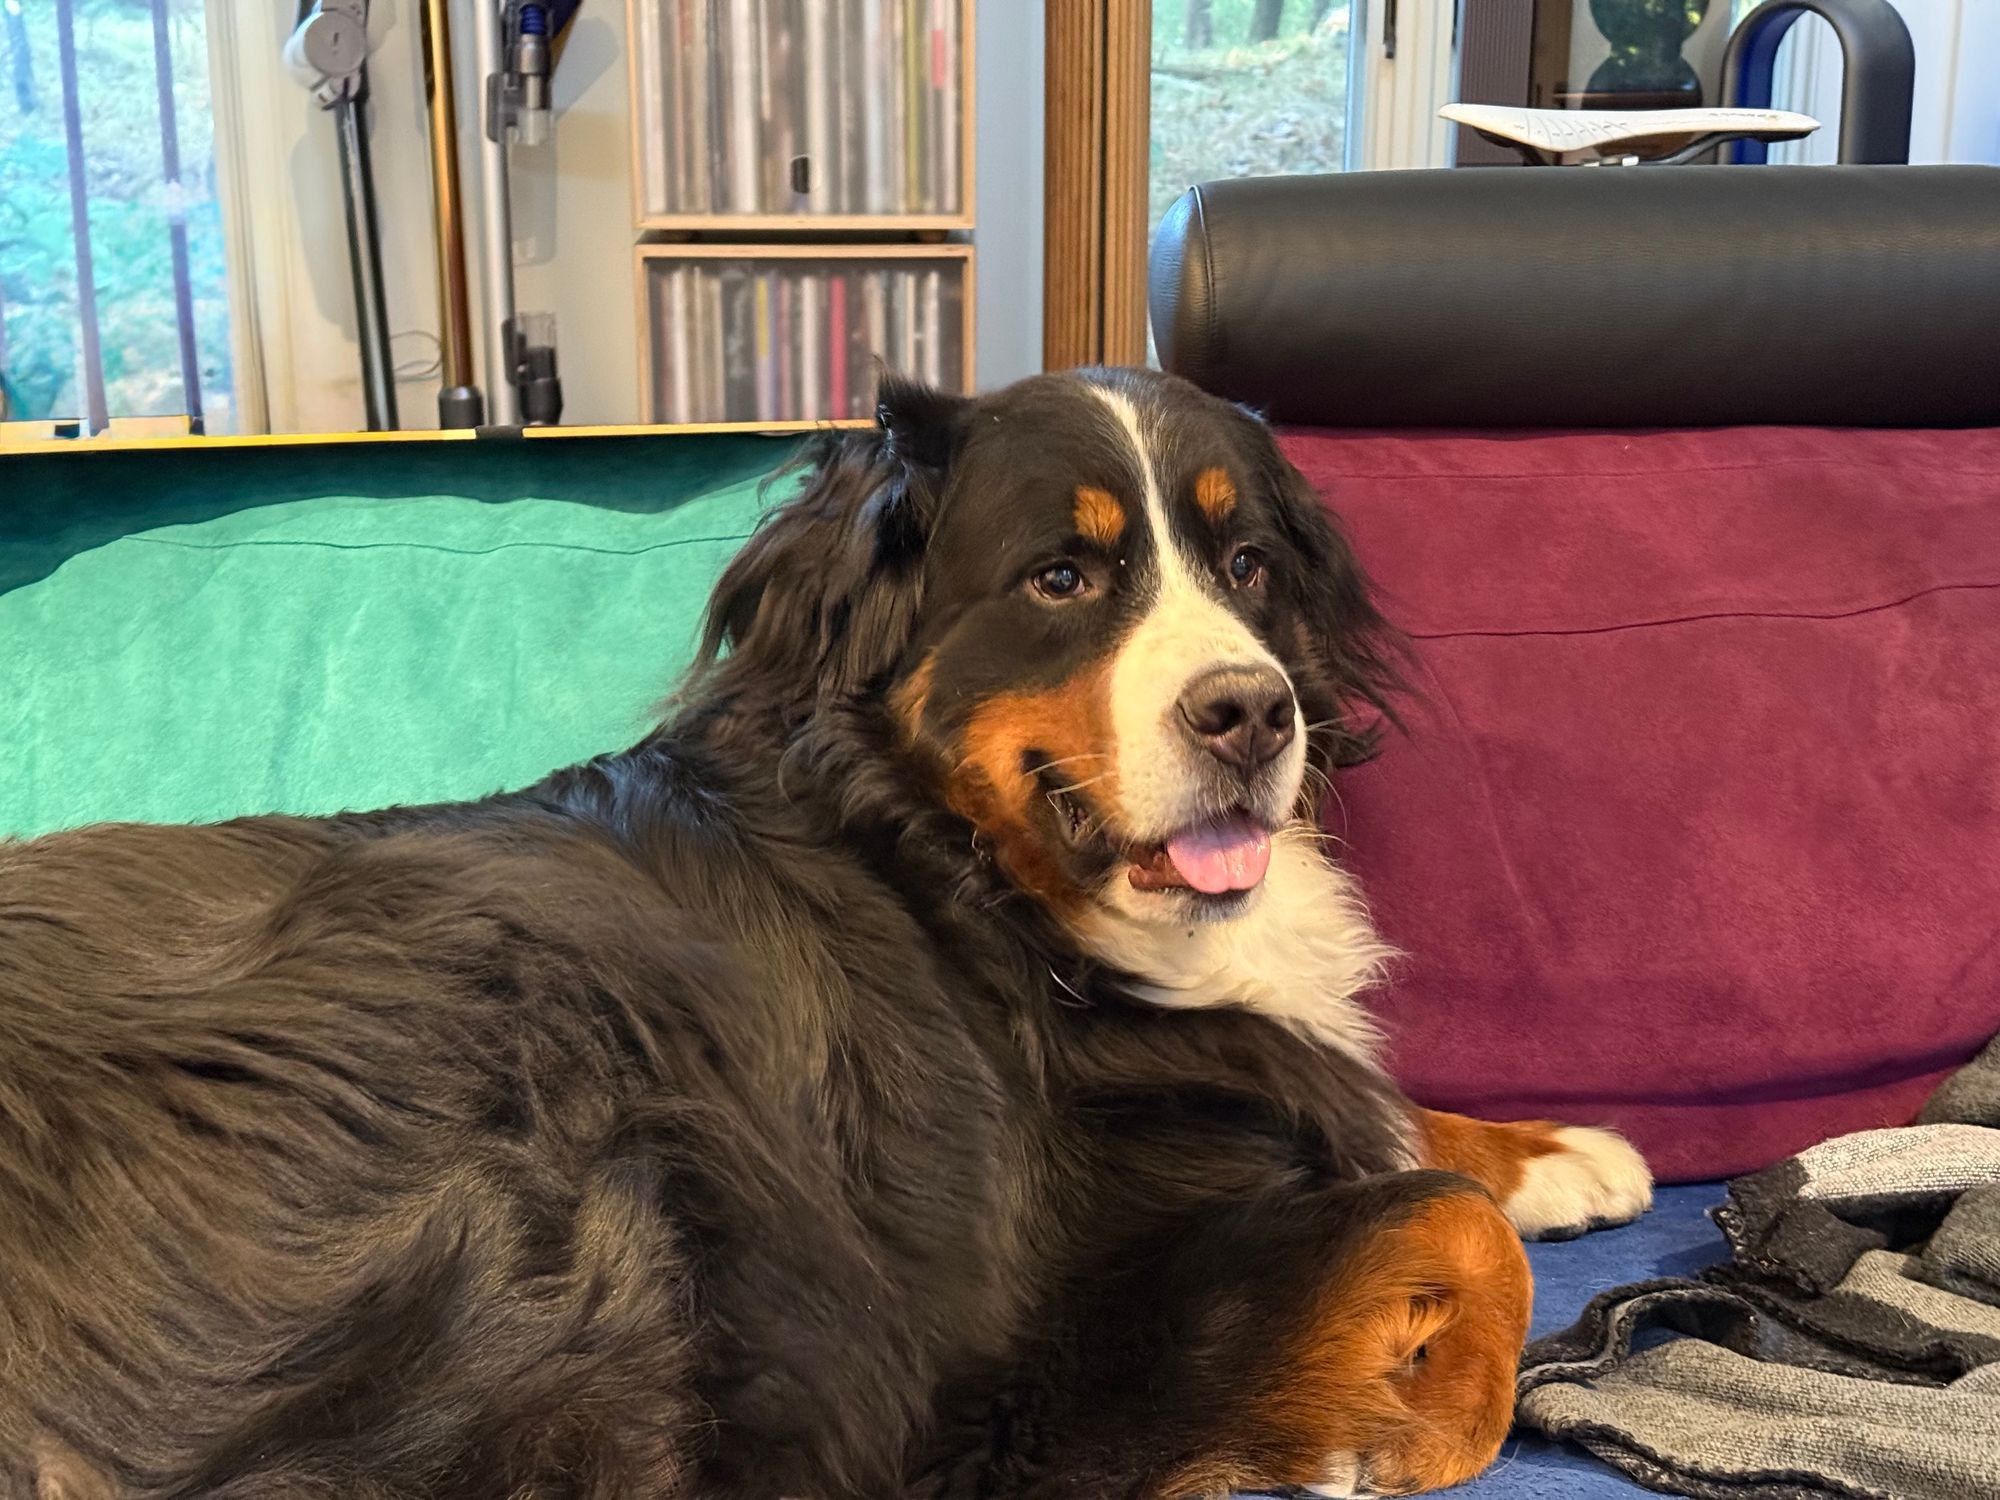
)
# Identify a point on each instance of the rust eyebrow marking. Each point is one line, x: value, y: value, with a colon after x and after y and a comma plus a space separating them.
x: 1215, y: 494
x: 1099, y: 516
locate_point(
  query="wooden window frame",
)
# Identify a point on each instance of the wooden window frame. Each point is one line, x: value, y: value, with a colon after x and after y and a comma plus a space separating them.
x: 1096, y: 152
x: 1098, y: 143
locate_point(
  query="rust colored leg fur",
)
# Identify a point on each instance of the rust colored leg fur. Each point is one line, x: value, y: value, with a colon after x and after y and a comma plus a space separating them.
x: 1402, y: 1377
x: 1554, y: 1181
x: 1363, y: 1336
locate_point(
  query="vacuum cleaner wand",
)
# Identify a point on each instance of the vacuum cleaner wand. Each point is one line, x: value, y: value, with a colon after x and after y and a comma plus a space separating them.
x: 327, y: 52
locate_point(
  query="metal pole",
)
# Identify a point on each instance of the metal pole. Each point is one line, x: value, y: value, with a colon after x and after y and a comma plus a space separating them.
x: 364, y: 259
x: 17, y: 46
x: 170, y: 169
x: 496, y: 208
x: 458, y: 401
x: 79, y: 218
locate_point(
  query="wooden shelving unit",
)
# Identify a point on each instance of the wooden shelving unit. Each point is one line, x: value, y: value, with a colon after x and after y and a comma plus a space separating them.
x: 802, y: 180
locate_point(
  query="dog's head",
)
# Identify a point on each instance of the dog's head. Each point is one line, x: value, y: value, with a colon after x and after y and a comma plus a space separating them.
x: 1113, y: 628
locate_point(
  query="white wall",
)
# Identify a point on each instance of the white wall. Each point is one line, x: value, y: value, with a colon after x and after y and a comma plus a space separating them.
x: 1008, y: 202
x: 1955, y: 115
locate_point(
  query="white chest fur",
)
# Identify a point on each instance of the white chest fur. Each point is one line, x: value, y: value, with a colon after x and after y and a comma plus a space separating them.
x: 1302, y: 953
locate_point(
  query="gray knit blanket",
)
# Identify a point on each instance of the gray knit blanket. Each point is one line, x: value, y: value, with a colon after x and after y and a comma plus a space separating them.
x: 1850, y: 1346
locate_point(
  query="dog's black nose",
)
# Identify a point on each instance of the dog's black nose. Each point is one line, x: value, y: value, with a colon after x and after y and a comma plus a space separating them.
x: 1240, y: 715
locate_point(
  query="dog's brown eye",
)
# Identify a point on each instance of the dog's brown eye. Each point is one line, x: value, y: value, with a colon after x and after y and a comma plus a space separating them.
x: 1246, y: 567
x: 1060, y: 581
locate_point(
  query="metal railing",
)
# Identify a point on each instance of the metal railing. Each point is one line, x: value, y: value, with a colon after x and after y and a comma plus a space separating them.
x: 89, y: 336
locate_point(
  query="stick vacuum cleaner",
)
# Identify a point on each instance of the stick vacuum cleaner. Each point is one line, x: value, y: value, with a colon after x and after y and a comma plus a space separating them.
x: 515, y: 44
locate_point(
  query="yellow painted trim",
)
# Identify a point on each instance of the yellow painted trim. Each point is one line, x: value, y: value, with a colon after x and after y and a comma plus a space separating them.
x: 452, y: 435
x: 683, y: 429
x: 260, y: 440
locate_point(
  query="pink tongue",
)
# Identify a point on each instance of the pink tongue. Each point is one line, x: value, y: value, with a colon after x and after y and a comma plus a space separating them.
x: 1231, y: 856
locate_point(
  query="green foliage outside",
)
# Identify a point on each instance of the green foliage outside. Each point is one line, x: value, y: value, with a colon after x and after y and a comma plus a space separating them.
x: 130, y: 214
x: 1232, y: 106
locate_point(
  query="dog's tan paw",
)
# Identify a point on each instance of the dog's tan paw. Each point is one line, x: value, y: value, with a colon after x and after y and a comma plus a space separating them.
x: 1593, y: 1179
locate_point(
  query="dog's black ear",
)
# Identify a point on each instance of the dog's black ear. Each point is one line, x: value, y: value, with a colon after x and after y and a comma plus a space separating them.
x: 1356, y: 655
x: 820, y: 603
x: 921, y: 425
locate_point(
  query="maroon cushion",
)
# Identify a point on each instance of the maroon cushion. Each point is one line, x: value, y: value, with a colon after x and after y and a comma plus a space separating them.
x: 1696, y: 828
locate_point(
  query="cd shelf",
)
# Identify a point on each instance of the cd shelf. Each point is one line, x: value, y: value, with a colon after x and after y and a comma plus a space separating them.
x: 782, y: 336
x: 802, y: 180
x: 801, y: 114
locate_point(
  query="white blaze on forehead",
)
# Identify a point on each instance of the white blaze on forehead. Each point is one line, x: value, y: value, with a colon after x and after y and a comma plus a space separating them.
x: 1185, y: 630
x: 1175, y: 572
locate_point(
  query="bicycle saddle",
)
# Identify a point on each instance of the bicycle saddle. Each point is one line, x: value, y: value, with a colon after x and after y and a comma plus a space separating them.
x: 1646, y: 134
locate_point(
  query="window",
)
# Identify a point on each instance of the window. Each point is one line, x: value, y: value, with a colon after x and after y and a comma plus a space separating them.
x: 1246, y: 88
x: 131, y: 317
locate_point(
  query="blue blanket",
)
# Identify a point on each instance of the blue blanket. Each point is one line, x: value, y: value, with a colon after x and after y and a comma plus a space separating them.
x: 1675, y: 1239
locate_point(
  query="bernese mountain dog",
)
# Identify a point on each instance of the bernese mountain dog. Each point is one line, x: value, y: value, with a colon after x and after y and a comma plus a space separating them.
x: 928, y: 1065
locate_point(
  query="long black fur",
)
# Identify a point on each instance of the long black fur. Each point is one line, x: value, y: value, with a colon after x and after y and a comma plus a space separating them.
x: 708, y: 1119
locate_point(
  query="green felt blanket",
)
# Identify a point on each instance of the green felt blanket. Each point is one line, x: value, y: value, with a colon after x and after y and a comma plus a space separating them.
x: 385, y: 626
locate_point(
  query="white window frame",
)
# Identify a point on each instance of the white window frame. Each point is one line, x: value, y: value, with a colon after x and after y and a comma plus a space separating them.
x: 1393, y: 102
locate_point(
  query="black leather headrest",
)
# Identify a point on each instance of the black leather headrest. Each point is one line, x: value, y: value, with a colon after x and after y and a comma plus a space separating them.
x: 1591, y: 297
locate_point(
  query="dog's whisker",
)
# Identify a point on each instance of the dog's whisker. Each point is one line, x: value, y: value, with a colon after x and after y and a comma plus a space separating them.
x: 1077, y: 786
x: 1340, y: 803
x: 1066, y: 986
x: 1063, y: 760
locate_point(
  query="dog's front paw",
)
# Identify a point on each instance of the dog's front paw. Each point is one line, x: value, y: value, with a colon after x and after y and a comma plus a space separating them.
x: 1591, y: 1179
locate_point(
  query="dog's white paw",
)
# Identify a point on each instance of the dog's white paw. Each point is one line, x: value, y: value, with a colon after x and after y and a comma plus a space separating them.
x: 1592, y: 1180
